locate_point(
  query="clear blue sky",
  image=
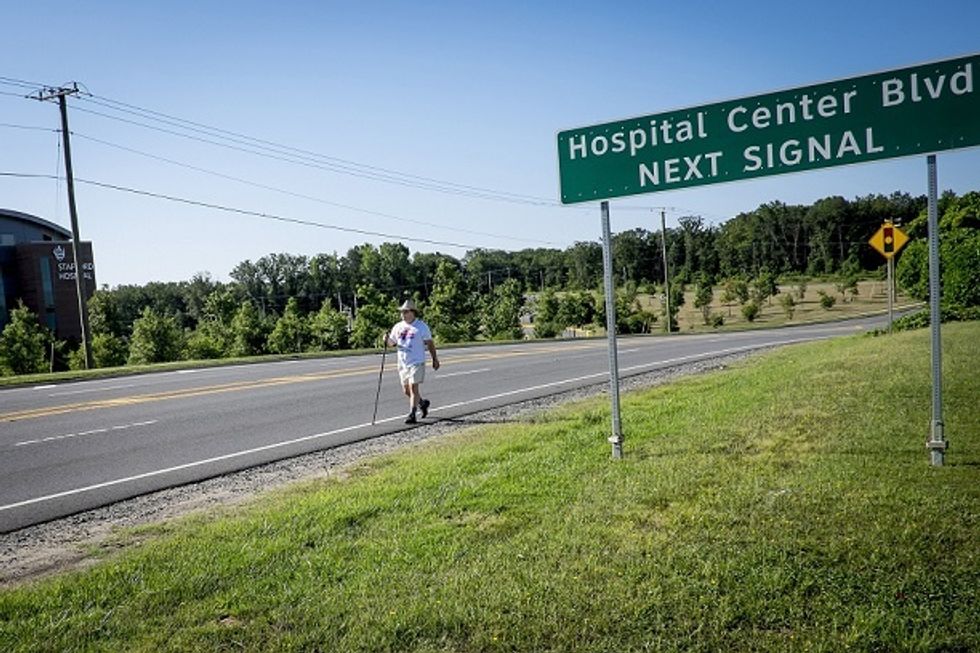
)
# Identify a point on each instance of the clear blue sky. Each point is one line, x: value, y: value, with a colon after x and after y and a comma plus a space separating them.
x: 471, y: 93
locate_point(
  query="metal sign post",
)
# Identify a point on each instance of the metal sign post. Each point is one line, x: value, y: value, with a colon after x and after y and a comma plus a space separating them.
x: 663, y: 241
x: 616, y: 439
x: 890, y: 266
x: 937, y: 443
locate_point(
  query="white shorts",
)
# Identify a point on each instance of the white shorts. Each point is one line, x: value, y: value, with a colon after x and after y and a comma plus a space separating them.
x: 412, y: 374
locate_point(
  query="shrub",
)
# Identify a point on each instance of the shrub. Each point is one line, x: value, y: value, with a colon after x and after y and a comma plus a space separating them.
x: 108, y: 350
x: 921, y: 319
x: 545, y: 329
x: 827, y: 301
x: 156, y: 339
x: 717, y: 320
x: 751, y: 310
x: 329, y: 328
x: 788, y: 304
x: 23, y: 343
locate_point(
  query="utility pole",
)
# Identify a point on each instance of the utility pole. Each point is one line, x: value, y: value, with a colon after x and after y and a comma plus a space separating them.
x: 61, y: 93
x: 663, y: 240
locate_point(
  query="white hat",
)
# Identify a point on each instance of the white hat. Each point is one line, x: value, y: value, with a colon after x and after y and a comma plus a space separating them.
x: 409, y: 305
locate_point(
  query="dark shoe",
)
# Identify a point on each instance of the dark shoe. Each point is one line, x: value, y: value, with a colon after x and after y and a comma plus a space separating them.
x: 424, y: 405
x: 411, y: 419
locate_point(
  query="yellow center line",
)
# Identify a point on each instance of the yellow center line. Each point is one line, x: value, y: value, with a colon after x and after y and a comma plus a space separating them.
x: 98, y: 404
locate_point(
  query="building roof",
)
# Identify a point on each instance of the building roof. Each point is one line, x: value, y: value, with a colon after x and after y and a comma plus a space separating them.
x: 33, y: 219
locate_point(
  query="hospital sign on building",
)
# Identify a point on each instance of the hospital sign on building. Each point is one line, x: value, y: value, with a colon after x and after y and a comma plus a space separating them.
x: 920, y: 109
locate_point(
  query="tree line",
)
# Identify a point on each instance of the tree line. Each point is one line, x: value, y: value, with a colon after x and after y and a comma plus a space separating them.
x: 285, y: 303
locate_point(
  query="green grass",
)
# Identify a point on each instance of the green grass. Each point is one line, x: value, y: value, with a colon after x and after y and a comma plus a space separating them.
x: 784, y: 504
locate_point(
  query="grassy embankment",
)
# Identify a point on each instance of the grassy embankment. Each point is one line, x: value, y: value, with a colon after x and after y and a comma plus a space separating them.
x: 782, y: 504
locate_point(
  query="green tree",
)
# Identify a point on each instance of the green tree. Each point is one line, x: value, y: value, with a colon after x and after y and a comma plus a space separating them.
x: 960, y: 266
x: 801, y: 289
x: 751, y: 310
x: 108, y: 350
x: 576, y: 308
x: 545, y: 315
x: 203, y: 343
x: 451, y: 308
x: 845, y: 285
x: 959, y: 254
x: 104, y: 314
x: 788, y: 304
x: 291, y: 333
x: 704, y: 294
x: 501, y: 312
x: 213, y: 336
x: 247, y: 331
x: 630, y: 316
x: 912, y: 270
x: 676, y: 301
x: 329, y: 328
x: 764, y: 286
x: 375, y: 315
x: 826, y: 301
x: 728, y: 295
x: 156, y: 339
x: 23, y: 343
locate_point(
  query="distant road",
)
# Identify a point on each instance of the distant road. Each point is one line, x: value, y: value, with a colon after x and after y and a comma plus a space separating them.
x: 75, y: 446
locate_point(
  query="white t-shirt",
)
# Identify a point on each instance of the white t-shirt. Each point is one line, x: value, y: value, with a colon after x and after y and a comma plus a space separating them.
x: 410, y: 341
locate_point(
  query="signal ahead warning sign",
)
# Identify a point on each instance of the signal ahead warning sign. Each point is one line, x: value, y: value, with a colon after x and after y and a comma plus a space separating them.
x: 916, y: 110
x: 888, y: 240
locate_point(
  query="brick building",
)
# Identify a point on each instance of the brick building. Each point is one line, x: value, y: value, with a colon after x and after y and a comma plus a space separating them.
x: 37, y: 267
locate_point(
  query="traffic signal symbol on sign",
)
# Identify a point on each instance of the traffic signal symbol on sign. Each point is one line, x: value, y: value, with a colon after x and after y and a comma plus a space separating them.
x: 888, y: 240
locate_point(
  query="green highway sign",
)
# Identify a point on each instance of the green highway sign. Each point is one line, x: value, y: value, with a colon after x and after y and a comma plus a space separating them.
x: 921, y: 109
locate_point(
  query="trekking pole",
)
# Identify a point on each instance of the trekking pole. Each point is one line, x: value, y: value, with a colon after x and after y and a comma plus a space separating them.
x: 377, y: 395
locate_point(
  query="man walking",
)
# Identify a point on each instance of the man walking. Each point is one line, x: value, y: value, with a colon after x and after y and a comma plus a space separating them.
x: 412, y: 337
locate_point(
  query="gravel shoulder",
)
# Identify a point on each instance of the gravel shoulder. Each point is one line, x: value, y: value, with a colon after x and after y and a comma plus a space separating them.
x: 81, y: 540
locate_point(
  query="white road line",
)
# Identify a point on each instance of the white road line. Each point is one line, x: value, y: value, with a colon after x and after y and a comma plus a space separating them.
x: 44, y: 387
x: 87, y: 390
x: 446, y: 376
x: 346, y: 429
x: 196, y: 463
x: 53, y: 438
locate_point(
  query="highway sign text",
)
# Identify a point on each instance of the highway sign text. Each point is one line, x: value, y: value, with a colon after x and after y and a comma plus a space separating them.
x: 921, y: 109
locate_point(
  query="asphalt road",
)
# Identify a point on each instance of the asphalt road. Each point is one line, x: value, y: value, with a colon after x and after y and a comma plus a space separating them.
x: 75, y: 446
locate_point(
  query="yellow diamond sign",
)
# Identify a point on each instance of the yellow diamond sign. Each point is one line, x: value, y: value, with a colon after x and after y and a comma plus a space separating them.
x: 888, y: 240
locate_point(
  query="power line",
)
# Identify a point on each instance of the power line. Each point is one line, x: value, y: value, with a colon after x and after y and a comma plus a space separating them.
x: 224, y: 133
x: 20, y: 83
x: 301, y: 156
x: 320, y: 165
x: 29, y: 127
x: 302, y: 195
x: 298, y: 156
x: 240, y: 211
